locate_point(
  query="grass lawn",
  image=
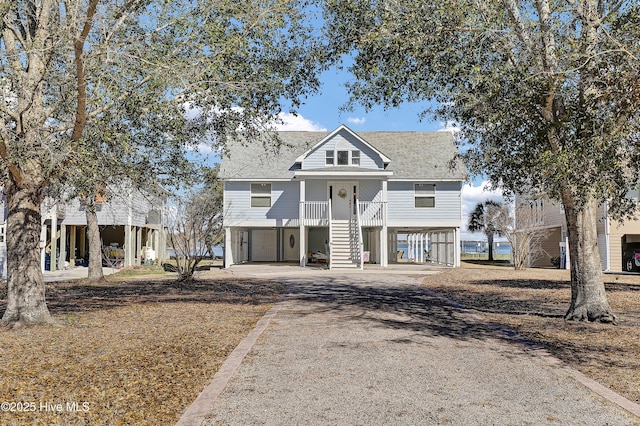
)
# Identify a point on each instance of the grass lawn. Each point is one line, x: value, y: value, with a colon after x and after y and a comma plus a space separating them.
x: 137, y: 350
x: 533, y: 302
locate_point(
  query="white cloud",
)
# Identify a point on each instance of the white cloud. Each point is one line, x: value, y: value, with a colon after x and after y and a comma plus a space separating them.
x: 449, y: 126
x: 289, y: 122
x: 298, y: 123
x: 356, y: 120
x: 471, y: 196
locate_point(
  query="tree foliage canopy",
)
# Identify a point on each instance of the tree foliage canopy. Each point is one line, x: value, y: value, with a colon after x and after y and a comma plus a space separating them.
x: 544, y: 90
x: 92, y: 88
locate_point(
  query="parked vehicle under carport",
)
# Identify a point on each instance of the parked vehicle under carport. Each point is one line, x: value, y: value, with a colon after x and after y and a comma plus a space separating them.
x: 631, y: 260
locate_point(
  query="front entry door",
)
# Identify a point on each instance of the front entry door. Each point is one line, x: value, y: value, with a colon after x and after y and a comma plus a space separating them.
x: 343, y: 199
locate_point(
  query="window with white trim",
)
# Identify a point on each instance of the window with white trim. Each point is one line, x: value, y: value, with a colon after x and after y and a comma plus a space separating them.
x: 355, y: 157
x: 260, y: 195
x: 424, y: 195
x: 343, y: 158
x: 329, y: 155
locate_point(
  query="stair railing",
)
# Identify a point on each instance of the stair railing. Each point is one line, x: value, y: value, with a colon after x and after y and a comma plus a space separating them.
x: 359, y: 228
x: 330, y: 248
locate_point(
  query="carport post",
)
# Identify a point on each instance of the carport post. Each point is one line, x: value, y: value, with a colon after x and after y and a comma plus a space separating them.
x: 384, y: 239
x: 303, y: 234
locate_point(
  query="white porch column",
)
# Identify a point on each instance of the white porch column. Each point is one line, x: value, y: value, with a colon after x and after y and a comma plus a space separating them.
x: 228, y: 248
x: 425, y: 246
x: 83, y: 245
x: 412, y: 243
x: 136, y: 260
x: 456, y: 261
x: 129, y: 236
x: 384, y: 240
x: 43, y: 242
x: 128, y: 246
x: 54, y: 240
x: 72, y: 246
x: 303, y: 233
x: 63, y: 245
x: 567, y: 264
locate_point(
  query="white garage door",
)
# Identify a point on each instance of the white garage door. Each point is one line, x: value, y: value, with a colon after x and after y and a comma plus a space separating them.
x: 263, y: 245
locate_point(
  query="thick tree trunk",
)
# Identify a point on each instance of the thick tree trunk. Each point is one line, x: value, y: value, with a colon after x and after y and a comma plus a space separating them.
x: 95, y: 273
x: 588, y: 298
x: 25, y: 288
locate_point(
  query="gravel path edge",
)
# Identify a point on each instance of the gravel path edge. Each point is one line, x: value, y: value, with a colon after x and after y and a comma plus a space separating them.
x: 196, y: 413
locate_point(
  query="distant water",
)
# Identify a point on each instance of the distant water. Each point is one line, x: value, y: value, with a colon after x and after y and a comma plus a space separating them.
x: 498, y: 248
x: 217, y: 251
x: 468, y: 247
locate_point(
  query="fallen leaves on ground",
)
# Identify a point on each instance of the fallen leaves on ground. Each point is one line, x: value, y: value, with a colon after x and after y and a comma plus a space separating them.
x: 126, y: 352
x: 533, y: 303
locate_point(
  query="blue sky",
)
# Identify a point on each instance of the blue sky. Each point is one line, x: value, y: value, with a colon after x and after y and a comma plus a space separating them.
x: 323, y: 112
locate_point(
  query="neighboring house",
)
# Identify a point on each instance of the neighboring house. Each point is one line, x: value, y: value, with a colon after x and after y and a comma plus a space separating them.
x: 343, y: 198
x: 132, y: 228
x: 616, y: 240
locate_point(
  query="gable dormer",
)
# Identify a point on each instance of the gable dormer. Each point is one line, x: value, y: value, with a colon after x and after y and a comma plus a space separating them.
x: 343, y: 149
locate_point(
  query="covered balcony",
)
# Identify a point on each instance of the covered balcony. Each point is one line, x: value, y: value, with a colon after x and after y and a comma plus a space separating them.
x: 317, y: 213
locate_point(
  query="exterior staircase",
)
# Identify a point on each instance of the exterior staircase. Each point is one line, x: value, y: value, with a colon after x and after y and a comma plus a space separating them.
x: 345, y: 250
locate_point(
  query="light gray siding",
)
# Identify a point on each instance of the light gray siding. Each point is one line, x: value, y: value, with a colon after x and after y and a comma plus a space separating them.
x: 402, y: 210
x: 316, y: 190
x: 114, y: 212
x: 316, y: 159
x: 284, y: 203
x: 284, y: 210
x: 370, y: 190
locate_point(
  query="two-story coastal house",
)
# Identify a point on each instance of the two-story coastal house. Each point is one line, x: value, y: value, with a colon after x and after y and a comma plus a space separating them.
x: 618, y: 241
x: 132, y: 227
x: 343, y: 198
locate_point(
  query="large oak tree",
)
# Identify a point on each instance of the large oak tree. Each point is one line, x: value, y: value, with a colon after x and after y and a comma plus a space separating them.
x: 545, y: 91
x: 68, y: 63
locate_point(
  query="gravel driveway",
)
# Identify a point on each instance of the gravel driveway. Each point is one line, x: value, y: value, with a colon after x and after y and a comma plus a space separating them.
x: 373, y: 348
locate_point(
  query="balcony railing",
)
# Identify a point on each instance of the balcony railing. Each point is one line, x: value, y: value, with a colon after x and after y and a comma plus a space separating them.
x: 316, y: 213
x: 372, y: 213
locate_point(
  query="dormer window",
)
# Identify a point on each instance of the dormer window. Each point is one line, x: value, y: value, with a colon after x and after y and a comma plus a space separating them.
x: 329, y: 158
x: 343, y: 158
x: 355, y: 158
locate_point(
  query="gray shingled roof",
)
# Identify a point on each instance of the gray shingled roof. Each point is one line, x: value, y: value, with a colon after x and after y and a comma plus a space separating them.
x: 414, y: 155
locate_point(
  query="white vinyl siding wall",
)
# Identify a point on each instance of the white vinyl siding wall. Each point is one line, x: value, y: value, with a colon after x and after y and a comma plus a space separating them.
x: 370, y: 190
x: 317, y: 190
x: 402, y: 211
x: 114, y: 212
x: 317, y: 159
x: 283, y: 211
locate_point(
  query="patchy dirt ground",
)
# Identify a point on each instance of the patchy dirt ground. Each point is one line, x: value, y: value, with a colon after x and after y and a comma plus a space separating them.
x: 533, y: 303
x: 139, y: 349
x: 135, y: 351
